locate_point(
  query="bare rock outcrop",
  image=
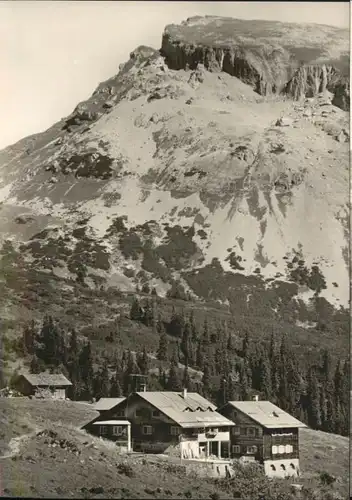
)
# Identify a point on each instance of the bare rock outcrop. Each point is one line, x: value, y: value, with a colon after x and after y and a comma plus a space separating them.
x: 271, y: 57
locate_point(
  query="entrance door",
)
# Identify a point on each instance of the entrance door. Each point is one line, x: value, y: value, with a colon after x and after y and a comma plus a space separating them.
x: 213, y: 448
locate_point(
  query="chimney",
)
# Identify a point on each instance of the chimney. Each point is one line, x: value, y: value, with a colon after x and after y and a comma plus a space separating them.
x: 184, y: 393
x: 255, y: 398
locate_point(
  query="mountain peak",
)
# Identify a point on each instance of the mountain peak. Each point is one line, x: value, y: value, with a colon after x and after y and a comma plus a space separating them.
x: 272, y: 57
x: 218, y: 164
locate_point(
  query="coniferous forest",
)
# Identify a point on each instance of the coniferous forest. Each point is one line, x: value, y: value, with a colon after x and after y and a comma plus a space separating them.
x: 204, y: 357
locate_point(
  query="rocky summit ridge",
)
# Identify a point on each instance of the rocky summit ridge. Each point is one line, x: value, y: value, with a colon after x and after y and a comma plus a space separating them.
x: 297, y: 60
x: 217, y: 166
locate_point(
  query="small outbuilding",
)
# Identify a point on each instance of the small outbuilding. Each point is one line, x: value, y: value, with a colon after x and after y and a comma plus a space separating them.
x: 42, y: 385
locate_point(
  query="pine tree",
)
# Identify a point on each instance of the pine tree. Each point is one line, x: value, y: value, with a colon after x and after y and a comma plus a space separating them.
x: 159, y: 324
x: 176, y: 325
x: 272, y: 348
x: 173, y: 381
x: 147, y: 314
x: 314, y: 410
x: 136, y: 313
x: 194, y: 332
x: 283, y: 389
x: 244, y: 381
x: 29, y: 336
x: 102, y: 382
x: 330, y: 421
x: 245, y: 346
x: 73, y: 365
x: 265, y: 378
x: 143, y: 362
x: 326, y: 366
x: 86, y: 371
x: 35, y: 366
x: 185, y: 343
x: 131, y: 369
x: 230, y: 346
x: 206, y: 381
x: 206, y: 336
x: 323, y: 408
x: 186, y: 381
x: 222, y: 397
x: 200, y: 355
x: 49, y: 338
x: 115, y: 387
x: 338, y: 383
x: 162, y: 378
x: 294, y: 386
x: 162, y: 353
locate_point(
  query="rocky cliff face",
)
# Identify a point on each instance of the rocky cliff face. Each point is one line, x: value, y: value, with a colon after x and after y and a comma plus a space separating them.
x: 175, y: 176
x: 270, y: 57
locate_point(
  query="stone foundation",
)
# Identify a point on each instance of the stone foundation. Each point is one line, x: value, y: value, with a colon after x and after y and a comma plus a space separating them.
x: 282, y: 468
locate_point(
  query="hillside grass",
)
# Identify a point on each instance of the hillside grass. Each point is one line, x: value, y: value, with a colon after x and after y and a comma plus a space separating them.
x: 96, y: 469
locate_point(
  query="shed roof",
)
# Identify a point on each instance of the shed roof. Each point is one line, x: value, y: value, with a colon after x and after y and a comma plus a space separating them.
x: 105, y: 404
x: 191, y: 411
x: 46, y: 379
x: 112, y: 422
x: 266, y: 414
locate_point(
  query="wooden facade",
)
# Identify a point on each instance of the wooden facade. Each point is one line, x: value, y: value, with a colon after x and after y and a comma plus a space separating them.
x: 42, y: 389
x: 276, y: 448
x: 152, y: 431
x: 118, y: 431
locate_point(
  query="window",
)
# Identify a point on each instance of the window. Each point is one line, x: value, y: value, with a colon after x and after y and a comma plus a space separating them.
x: 236, y: 449
x: 281, y: 449
x: 273, y: 467
x: 103, y: 430
x: 236, y: 431
x: 251, y: 431
x: 274, y: 450
x: 174, y: 431
x: 147, y: 430
x: 139, y: 412
x: 117, y: 430
x: 252, y: 450
x: 120, y: 413
x: 156, y: 413
x: 288, y: 448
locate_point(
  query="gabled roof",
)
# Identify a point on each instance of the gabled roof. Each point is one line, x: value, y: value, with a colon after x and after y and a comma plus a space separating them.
x: 192, y: 411
x: 46, y: 379
x: 112, y: 422
x: 176, y: 400
x: 105, y: 404
x: 266, y: 414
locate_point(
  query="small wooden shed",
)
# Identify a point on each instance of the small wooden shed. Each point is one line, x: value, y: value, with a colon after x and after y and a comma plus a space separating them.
x: 44, y: 385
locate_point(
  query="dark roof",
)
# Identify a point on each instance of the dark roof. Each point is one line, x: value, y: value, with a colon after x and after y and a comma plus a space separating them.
x: 46, y: 379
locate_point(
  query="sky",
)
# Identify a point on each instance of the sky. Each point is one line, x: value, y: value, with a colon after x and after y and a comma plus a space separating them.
x: 54, y: 54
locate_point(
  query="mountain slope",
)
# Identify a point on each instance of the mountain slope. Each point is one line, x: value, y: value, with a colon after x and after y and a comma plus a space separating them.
x: 188, y: 176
